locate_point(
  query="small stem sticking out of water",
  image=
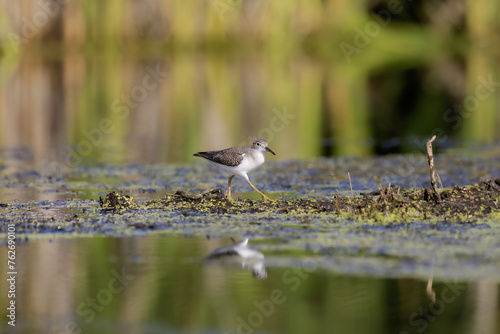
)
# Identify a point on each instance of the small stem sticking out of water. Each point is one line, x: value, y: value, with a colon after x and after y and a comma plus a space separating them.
x: 430, y: 158
x: 350, y: 183
x: 431, y: 294
x: 439, y: 181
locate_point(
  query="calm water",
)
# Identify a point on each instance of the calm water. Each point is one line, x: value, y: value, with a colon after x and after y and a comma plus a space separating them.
x: 377, y: 278
x: 162, y: 285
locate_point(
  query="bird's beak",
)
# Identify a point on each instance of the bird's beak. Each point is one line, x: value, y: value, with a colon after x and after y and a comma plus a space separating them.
x: 269, y: 150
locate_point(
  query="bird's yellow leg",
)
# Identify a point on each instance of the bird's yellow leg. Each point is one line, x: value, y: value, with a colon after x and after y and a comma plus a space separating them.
x: 264, y: 197
x: 228, y: 192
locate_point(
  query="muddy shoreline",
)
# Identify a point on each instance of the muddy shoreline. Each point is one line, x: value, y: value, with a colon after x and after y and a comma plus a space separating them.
x: 387, y: 204
x: 189, y: 200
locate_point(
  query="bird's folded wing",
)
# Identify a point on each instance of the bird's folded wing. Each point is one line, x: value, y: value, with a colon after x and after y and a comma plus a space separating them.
x: 229, y: 157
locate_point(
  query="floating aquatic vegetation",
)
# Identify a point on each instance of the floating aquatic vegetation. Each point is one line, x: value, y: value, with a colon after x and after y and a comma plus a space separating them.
x: 385, y: 205
x: 114, y: 202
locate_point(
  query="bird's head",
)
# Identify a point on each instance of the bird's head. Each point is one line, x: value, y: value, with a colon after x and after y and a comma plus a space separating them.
x: 261, y: 145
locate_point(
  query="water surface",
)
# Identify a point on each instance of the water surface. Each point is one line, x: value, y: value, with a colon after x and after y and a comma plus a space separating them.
x: 162, y: 285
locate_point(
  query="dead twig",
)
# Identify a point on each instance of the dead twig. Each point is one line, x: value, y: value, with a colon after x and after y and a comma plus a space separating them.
x: 382, y: 194
x: 439, y: 180
x: 350, y: 183
x: 432, y: 172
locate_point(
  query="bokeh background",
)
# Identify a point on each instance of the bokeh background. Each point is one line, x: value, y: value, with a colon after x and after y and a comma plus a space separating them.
x: 313, y: 77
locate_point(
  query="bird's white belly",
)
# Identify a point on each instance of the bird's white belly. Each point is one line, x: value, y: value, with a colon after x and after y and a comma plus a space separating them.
x: 246, y: 166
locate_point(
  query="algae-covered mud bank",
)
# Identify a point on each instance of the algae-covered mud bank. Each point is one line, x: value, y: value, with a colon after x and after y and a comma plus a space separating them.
x: 116, y: 245
x: 390, y: 216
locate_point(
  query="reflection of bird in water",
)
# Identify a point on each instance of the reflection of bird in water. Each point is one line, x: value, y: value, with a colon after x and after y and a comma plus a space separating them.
x: 242, y: 255
x: 258, y: 270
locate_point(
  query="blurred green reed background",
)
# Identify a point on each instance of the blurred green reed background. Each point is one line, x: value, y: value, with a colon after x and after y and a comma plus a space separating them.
x: 154, y: 81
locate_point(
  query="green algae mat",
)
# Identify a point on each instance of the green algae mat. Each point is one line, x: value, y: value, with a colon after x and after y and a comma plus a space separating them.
x: 390, y: 224
x: 386, y: 205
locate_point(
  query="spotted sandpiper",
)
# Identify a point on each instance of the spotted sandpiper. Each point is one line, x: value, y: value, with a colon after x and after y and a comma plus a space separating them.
x: 239, y: 161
